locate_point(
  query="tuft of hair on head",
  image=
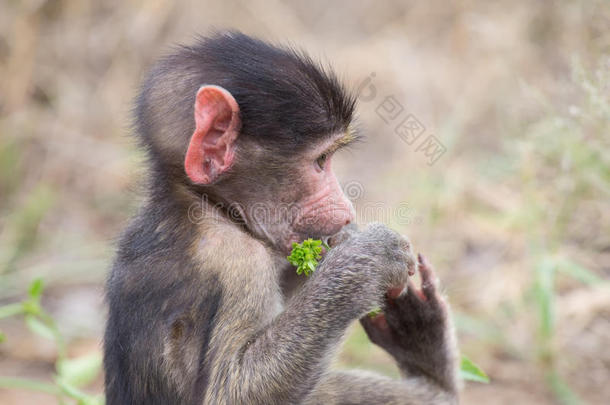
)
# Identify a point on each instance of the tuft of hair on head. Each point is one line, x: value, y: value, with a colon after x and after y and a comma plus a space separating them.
x: 286, y: 99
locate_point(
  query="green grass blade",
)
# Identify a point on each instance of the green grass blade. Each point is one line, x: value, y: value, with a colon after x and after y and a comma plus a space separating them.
x: 31, y: 385
x: 471, y: 372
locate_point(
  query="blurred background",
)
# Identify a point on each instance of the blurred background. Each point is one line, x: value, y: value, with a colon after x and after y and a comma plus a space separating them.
x: 488, y: 143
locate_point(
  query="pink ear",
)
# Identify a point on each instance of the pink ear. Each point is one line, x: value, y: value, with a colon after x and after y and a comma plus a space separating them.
x: 212, y: 146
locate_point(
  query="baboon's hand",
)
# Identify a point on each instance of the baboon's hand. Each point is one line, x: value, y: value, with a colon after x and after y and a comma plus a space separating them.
x: 415, y: 329
x: 370, y: 263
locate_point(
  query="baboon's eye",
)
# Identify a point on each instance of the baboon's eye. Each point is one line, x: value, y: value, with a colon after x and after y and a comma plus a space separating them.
x: 321, y: 161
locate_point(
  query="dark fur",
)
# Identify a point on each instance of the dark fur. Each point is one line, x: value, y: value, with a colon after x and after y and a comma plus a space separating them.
x: 287, y: 101
x: 152, y: 284
x: 197, y: 311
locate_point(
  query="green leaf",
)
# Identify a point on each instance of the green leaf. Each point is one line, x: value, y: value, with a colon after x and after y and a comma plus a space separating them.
x: 305, y: 256
x: 81, y: 370
x: 562, y: 390
x: 31, y: 385
x: 36, y: 287
x: 72, y: 391
x: 97, y: 400
x: 471, y: 372
x: 39, y: 328
x: 11, y: 310
x: 31, y: 307
x: 374, y: 312
x: 2, y: 337
x: 545, y: 296
x: 579, y: 272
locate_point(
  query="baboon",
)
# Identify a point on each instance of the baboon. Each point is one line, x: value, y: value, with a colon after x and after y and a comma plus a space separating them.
x: 203, y: 306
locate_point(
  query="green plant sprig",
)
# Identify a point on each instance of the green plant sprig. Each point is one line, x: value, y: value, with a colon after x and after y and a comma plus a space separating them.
x: 70, y: 373
x: 305, y: 256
